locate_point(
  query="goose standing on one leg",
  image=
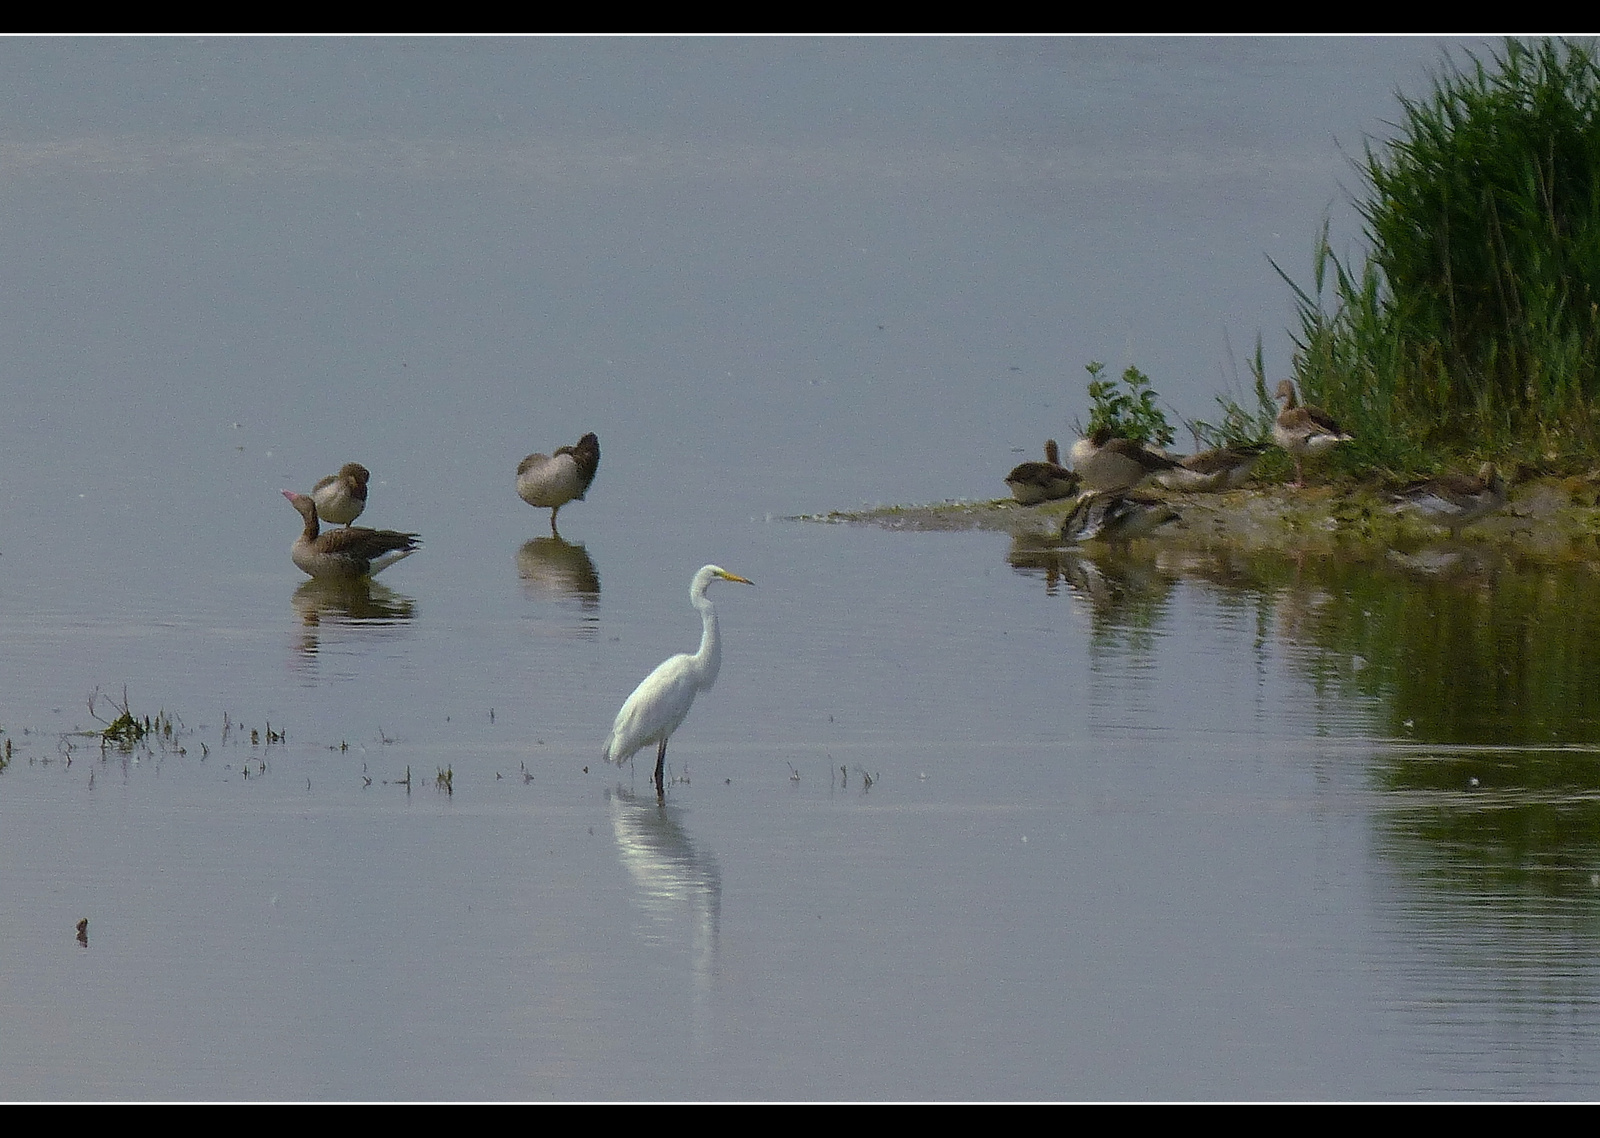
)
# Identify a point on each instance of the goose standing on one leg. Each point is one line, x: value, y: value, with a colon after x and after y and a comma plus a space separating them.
x: 552, y: 480
x: 659, y: 706
x: 345, y: 554
x: 1304, y: 430
x: 341, y: 497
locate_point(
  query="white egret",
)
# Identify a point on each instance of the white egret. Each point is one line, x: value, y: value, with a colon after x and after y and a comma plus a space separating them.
x: 659, y: 706
x: 550, y: 481
x: 345, y: 554
x: 1304, y: 430
x: 341, y: 497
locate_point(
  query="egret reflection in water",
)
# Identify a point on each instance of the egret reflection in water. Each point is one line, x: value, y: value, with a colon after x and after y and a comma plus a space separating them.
x: 678, y: 887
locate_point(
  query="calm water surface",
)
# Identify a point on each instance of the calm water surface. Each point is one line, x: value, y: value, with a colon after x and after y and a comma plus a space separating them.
x: 961, y: 819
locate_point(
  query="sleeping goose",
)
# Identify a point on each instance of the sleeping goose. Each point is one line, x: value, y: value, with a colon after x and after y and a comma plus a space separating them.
x: 348, y: 553
x: 1304, y: 430
x: 1035, y: 482
x: 1114, y: 517
x: 1109, y: 463
x: 552, y: 480
x: 1455, y: 500
x: 1221, y: 468
x: 341, y: 497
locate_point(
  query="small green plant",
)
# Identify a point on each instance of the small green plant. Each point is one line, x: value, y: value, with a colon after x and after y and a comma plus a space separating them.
x: 1128, y: 414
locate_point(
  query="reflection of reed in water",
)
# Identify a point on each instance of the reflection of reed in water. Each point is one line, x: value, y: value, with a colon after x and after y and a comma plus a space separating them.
x: 335, y: 602
x: 673, y: 882
x: 1517, y: 824
x: 553, y: 569
x: 1487, y: 888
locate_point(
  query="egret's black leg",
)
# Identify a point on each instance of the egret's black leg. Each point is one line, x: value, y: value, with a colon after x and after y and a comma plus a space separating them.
x: 553, y: 512
x: 661, y: 769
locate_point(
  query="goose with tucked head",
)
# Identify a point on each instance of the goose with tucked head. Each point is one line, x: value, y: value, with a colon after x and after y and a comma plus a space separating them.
x: 1107, y: 462
x: 1456, y: 500
x: 341, y: 497
x: 1221, y: 468
x: 550, y: 481
x: 1035, y: 482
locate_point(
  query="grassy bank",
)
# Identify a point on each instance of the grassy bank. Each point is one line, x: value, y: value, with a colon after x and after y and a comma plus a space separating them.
x: 1471, y: 326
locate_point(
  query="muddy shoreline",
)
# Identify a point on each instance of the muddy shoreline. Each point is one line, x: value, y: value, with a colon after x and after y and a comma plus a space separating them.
x: 1547, y: 520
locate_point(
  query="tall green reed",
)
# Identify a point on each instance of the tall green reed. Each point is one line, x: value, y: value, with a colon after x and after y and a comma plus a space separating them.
x: 1473, y: 322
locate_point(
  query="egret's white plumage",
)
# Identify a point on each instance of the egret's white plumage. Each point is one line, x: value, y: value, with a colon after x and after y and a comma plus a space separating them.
x: 659, y: 705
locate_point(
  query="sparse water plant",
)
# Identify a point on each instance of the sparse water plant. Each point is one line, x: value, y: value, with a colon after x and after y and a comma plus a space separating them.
x: 127, y: 731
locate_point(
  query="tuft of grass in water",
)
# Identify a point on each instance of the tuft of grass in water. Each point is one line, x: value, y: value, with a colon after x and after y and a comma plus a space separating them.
x: 1471, y: 325
x: 127, y: 730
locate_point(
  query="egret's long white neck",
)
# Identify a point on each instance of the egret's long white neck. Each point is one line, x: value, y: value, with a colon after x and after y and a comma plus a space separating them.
x: 708, y: 660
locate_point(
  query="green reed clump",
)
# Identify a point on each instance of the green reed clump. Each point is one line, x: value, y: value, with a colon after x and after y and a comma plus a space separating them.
x: 1474, y: 322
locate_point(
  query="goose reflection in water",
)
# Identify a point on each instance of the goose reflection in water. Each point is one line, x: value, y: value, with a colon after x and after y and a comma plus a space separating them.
x: 324, y: 603
x: 554, y: 569
x: 1447, y: 561
x: 674, y: 883
x: 1110, y: 578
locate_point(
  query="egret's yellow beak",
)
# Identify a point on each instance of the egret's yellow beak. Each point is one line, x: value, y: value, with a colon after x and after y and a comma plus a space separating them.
x: 733, y: 577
